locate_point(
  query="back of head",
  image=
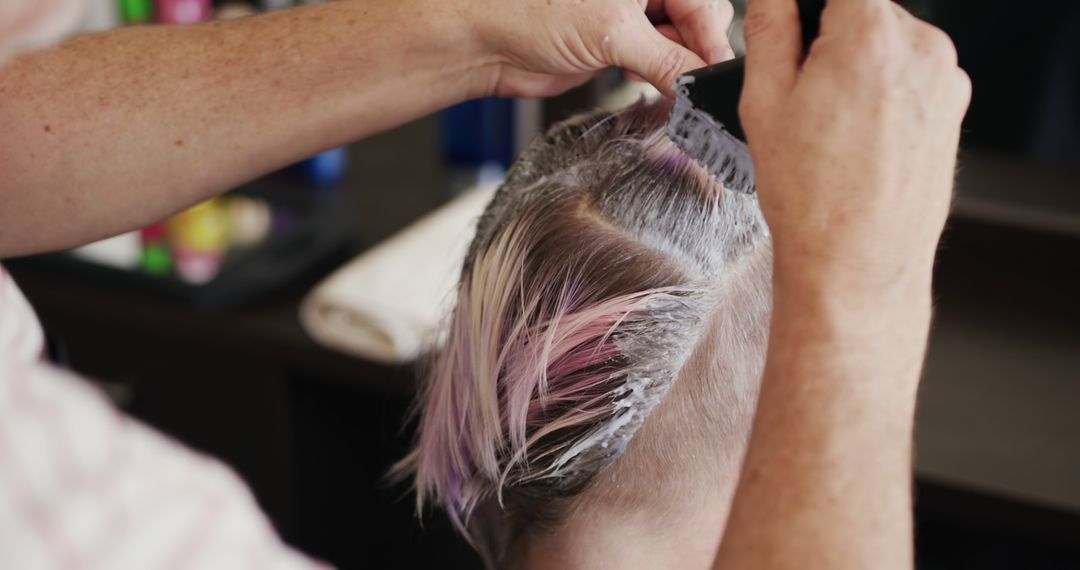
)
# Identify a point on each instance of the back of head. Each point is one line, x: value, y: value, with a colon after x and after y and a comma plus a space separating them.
x: 606, y: 270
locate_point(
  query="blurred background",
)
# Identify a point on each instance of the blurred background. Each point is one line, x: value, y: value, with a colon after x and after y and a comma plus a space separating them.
x: 217, y: 326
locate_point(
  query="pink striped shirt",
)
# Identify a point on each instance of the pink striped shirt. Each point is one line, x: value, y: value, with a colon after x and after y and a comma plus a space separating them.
x: 83, y: 486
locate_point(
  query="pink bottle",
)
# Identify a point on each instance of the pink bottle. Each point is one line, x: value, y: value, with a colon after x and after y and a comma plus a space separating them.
x: 183, y: 11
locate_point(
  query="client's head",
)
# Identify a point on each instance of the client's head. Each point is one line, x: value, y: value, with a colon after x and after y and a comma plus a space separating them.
x: 603, y: 359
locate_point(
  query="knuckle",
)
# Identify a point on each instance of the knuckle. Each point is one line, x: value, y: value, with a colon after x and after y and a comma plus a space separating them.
x: 963, y: 79
x: 877, y: 46
x: 608, y: 25
x: 877, y: 39
x: 610, y: 22
x: 878, y: 19
x: 963, y: 86
x: 614, y: 37
x: 670, y: 64
x: 939, y: 47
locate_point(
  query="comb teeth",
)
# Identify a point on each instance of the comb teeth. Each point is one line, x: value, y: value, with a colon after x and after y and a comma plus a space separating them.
x: 699, y: 135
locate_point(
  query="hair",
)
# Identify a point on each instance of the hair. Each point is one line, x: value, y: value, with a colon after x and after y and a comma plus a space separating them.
x: 596, y: 271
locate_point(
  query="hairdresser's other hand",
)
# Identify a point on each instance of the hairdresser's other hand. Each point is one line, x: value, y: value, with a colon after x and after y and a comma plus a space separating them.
x: 855, y: 148
x: 544, y: 47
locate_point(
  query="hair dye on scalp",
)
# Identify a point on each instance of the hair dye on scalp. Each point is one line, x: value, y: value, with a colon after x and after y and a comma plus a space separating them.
x: 592, y: 278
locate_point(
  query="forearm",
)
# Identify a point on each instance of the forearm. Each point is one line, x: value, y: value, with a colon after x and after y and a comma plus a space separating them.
x: 826, y: 482
x: 109, y: 132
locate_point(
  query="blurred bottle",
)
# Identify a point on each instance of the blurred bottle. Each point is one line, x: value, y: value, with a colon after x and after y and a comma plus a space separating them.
x: 99, y: 15
x: 233, y: 10
x: 199, y: 237
x: 250, y: 220
x: 134, y: 12
x: 156, y: 259
x: 183, y: 11
x: 326, y: 168
x: 477, y: 141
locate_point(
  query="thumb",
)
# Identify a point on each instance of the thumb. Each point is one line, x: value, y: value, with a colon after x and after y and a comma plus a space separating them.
x: 773, y: 46
x: 653, y: 56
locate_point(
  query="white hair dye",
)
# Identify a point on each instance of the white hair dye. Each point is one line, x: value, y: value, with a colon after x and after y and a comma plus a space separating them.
x: 619, y: 233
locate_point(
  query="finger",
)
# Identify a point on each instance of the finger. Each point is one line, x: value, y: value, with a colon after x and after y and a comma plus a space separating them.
x: 704, y: 25
x: 647, y: 52
x: 672, y: 33
x: 930, y: 42
x: 773, y: 46
x: 909, y: 22
x: 668, y: 31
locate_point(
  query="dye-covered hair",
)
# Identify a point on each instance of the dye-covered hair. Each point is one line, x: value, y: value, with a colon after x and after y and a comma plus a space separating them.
x: 593, y: 275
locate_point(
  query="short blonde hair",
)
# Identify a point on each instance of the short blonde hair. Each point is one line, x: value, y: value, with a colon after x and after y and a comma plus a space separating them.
x: 595, y: 273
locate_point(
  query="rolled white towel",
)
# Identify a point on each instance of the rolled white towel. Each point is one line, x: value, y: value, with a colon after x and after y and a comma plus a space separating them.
x: 387, y: 304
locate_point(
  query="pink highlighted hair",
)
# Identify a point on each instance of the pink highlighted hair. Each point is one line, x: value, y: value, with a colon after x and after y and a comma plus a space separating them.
x: 587, y: 287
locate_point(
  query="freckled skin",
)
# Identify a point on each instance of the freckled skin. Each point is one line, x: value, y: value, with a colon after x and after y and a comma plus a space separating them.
x: 149, y: 92
x: 252, y: 95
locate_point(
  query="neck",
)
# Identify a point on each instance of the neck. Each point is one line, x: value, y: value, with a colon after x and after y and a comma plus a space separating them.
x: 662, y: 505
x: 684, y: 538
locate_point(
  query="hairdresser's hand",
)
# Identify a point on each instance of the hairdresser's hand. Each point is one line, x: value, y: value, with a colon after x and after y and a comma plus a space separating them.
x: 544, y: 47
x: 855, y: 149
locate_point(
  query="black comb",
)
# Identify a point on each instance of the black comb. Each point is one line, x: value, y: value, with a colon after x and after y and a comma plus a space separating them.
x: 704, y: 121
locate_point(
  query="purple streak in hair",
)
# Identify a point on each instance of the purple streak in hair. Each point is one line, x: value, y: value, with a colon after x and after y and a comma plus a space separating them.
x: 547, y: 374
